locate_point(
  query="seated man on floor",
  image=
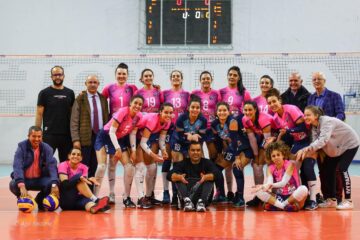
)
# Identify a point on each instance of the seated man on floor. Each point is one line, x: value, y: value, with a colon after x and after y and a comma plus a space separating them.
x: 194, y: 178
x: 34, y: 168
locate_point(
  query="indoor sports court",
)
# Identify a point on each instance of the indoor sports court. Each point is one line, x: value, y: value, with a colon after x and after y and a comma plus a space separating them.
x: 90, y: 38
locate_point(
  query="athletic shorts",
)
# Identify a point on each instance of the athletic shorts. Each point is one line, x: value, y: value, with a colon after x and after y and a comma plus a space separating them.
x: 103, y: 139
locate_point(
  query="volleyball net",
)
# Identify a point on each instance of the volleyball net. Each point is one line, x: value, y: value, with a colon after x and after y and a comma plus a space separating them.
x: 22, y: 77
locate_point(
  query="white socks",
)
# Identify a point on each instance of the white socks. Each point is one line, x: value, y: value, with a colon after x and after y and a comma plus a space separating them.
x: 99, y: 175
x: 150, y: 178
x: 129, y: 172
x: 139, y: 178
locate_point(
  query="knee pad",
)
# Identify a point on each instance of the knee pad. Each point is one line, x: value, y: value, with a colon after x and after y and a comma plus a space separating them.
x: 100, y: 171
x: 129, y: 170
x: 300, y: 193
x: 140, y: 169
x: 151, y: 170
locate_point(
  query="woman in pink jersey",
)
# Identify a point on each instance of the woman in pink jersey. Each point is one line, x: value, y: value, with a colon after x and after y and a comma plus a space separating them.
x: 282, y: 190
x: 153, y: 130
x: 117, y: 137
x: 119, y: 95
x: 179, y: 99
x: 295, y: 134
x: 75, y: 193
x: 150, y: 93
x: 266, y: 83
x: 235, y: 94
x: 259, y: 126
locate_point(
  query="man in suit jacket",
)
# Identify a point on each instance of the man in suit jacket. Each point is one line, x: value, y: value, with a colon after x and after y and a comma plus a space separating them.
x: 331, y: 102
x: 89, y: 114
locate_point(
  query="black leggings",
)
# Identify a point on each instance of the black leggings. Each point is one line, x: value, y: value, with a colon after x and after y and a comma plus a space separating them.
x: 327, y: 170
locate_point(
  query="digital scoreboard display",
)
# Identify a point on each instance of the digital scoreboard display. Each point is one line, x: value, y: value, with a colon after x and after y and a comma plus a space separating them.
x: 186, y: 22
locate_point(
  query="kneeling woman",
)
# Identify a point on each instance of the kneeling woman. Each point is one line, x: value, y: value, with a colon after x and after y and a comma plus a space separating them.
x: 153, y: 129
x: 75, y: 193
x: 282, y: 189
x: 233, y: 148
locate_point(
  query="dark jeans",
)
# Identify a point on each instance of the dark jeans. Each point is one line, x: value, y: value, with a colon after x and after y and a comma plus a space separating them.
x: 204, y: 191
x: 62, y: 143
x: 328, y: 174
x: 89, y: 156
x: 37, y: 184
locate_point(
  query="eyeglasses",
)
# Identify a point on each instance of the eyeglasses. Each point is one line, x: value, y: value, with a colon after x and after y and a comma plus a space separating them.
x: 57, y: 75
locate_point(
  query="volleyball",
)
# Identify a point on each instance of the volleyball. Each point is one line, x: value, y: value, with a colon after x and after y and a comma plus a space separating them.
x: 26, y: 204
x: 51, y: 203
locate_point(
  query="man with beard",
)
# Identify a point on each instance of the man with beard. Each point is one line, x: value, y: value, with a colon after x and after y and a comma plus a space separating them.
x: 53, y: 112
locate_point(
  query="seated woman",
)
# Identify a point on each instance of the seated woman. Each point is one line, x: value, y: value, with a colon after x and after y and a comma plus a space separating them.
x: 282, y: 190
x: 75, y: 193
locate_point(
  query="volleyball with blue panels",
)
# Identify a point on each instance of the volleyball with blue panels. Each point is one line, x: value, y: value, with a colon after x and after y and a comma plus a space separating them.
x: 26, y: 204
x: 51, y: 203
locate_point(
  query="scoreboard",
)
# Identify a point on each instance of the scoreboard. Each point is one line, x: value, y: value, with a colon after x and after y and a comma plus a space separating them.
x: 186, y: 22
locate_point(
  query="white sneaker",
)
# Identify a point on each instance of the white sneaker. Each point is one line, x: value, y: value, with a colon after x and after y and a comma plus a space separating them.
x: 189, y: 206
x: 329, y: 203
x: 347, y: 204
x: 112, y: 198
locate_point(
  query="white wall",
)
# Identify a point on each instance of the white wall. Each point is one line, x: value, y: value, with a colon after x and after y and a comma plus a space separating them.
x: 112, y: 26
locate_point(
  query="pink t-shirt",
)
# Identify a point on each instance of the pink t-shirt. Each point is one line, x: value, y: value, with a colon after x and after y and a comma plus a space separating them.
x: 126, y: 122
x: 264, y: 121
x: 288, y: 119
x: 151, y: 121
x: 118, y: 96
x: 64, y: 168
x: 262, y: 104
x: 179, y: 99
x: 278, y: 174
x: 208, y: 104
x: 234, y: 99
x: 151, y: 100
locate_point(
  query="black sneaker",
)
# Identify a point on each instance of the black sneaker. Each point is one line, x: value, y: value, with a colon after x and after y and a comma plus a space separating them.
x: 144, y: 203
x: 230, y: 196
x: 319, y: 198
x: 254, y: 202
x: 128, y: 203
x: 311, y: 205
x: 155, y: 202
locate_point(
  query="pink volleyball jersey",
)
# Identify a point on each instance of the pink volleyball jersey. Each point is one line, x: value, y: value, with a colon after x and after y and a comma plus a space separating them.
x: 151, y: 100
x: 179, y: 99
x: 262, y: 104
x: 264, y: 121
x: 151, y: 121
x: 288, y: 120
x: 208, y: 104
x: 64, y: 168
x: 278, y: 174
x: 234, y: 99
x: 118, y: 96
x: 126, y: 123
